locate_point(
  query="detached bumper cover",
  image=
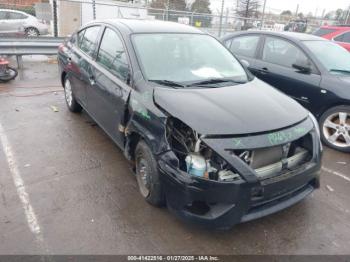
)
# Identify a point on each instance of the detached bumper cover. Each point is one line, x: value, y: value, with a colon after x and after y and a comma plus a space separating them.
x: 223, y: 204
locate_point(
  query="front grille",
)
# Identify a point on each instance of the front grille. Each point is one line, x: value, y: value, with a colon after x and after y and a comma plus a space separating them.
x: 273, y: 161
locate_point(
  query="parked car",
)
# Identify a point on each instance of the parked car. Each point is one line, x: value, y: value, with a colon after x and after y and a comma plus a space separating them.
x: 312, y: 70
x: 210, y: 140
x: 339, y: 34
x: 14, y: 22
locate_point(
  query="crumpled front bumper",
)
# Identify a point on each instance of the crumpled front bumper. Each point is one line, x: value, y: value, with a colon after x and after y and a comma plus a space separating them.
x: 224, y: 204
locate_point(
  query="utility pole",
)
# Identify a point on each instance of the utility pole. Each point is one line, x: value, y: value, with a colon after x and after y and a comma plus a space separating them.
x: 297, y: 10
x: 347, y: 16
x: 221, y: 16
x: 263, y: 15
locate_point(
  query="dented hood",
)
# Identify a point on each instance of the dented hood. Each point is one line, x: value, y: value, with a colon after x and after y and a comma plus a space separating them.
x: 240, y: 109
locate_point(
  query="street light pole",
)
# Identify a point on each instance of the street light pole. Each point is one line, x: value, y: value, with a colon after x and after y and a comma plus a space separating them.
x: 221, y: 16
x: 263, y: 15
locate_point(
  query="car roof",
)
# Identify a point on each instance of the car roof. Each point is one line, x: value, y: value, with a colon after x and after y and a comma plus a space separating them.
x: 152, y: 26
x: 11, y: 10
x: 285, y: 34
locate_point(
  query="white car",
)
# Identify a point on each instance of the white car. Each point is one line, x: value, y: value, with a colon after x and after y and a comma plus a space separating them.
x: 14, y: 22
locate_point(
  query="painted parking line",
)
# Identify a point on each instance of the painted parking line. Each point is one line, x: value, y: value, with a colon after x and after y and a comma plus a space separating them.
x: 20, y: 187
x: 330, y: 171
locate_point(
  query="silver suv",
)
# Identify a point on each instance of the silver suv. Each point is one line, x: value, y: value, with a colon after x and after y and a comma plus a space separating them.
x: 14, y: 22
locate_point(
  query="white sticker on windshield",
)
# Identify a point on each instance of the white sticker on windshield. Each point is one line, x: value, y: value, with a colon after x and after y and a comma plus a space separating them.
x: 206, y: 72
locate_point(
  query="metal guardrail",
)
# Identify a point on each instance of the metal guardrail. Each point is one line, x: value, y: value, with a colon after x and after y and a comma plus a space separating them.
x: 29, y: 46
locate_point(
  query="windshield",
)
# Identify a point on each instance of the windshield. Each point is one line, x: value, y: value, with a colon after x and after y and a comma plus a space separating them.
x: 332, y: 56
x: 186, y: 58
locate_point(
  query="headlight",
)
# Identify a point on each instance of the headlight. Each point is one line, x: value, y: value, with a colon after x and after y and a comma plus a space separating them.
x: 317, y: 128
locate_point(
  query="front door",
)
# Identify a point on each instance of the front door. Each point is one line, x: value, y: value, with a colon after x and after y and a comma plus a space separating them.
x: 109, y: 90
x: 275, y: 68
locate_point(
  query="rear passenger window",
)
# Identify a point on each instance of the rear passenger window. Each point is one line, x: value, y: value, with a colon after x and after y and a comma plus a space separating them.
x: 343, y: 38
x: 12, y: 15
x: 245, y: 45
x: 88, y: 39
x: 281, y: 52
x: 323, y: 31
x: 112, y: 55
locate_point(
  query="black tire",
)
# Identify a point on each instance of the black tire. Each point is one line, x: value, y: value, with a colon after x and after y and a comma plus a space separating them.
x: 72, y: 104
x: 32, y: 32
x: 11, y: 74
x: 333, y: 114
x: 145, y: 157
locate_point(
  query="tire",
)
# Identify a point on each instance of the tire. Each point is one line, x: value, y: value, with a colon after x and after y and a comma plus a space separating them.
x: 32, y: 32
x: 147, y: 175
x: 71, y: 102
x: 335, y: 128
x: 10, y: 74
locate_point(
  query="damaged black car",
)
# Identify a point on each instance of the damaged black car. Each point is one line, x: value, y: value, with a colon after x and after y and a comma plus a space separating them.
x: 208, y: 139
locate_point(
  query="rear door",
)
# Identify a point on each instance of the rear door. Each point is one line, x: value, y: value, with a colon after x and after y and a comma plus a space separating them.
x: 110, y: 88
x: 81, y: 56
x: 4, y: 23
x: 275, y: 67
x: 15, y: 22
x: 245, y: 47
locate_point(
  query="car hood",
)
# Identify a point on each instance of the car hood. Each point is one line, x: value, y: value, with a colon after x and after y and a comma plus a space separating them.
x: 247, y: 108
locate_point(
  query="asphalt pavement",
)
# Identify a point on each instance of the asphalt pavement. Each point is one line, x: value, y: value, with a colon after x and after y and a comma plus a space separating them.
x: 65, y: 188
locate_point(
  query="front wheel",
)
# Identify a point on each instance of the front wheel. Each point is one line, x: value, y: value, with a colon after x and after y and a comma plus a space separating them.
x: 32, y: 32
x: 147, y: 175
x: 335, y: 128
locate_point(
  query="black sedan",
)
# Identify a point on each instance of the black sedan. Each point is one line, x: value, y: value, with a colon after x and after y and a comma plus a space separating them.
x: 210, y: 140
x: 312, y: 70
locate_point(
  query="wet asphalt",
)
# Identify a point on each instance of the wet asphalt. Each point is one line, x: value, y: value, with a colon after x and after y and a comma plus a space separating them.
x: 65, y: 188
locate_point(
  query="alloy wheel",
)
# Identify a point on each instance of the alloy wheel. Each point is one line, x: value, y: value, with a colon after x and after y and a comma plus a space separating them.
x: 336, y: 129
x: 32, y: 32
x: 68, y: 93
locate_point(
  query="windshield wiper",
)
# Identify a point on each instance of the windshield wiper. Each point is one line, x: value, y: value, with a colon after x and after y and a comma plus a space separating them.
x: 215, y: 81
x: 340, y: 71
x: 167, y: 82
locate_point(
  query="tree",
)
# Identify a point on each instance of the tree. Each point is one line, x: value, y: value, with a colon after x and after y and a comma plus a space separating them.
x: 248, y: 9
x: 286, y: 13
x: 179, y: 5
x: 338, y: 14
x: 171, y: 6
x: 201, y: 6
x: 301, y: 15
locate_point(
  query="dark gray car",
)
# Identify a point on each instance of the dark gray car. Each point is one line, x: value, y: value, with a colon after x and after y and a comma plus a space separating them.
x: 312, y: 70
x: 212, y: 142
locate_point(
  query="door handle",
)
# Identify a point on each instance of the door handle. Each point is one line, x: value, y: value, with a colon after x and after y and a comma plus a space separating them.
x: 264, y: 70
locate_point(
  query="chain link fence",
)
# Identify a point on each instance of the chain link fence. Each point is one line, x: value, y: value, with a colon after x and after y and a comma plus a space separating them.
x: 65, y: 16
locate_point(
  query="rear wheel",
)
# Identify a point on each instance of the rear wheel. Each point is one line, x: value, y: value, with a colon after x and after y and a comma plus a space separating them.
x: 147, y: 175
x: 71, y: 102
x: 335, y: 128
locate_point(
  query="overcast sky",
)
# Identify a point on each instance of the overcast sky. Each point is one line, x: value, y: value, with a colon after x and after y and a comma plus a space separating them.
x: 305, y: 6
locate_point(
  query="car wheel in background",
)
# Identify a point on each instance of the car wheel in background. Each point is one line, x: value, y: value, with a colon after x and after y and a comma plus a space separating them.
x: 72, y: 104
x: 335, y: 128
x: 32, y: 32
x: 147, y: 175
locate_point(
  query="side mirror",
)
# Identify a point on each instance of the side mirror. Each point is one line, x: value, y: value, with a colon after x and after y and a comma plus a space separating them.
x: 303, y: 66
x: 245, y: 63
